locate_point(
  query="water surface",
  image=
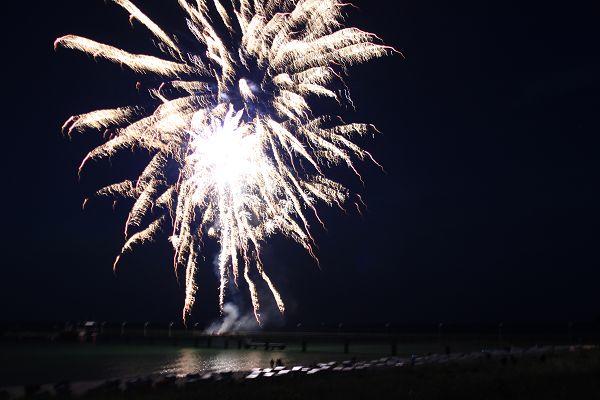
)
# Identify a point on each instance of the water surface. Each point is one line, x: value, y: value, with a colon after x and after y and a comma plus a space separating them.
x: 54, y: 362
x: 47, y: 363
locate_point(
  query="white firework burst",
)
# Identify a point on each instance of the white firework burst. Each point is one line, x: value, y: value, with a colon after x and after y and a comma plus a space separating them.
x: 234, y: 115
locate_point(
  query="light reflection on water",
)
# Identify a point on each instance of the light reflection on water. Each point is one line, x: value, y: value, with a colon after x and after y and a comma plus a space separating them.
x: 25, y: 364
x: 49, y: 363
x: 191, y: 361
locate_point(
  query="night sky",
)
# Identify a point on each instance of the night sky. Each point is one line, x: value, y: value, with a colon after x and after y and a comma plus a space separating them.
x: 487, y: 210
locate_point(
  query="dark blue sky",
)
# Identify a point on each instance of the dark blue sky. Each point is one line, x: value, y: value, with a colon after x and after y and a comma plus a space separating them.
x: 487, y: 210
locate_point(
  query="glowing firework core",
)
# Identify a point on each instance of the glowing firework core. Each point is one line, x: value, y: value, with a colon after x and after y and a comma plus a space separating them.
x: 249, y: 153
x: 228, y: 152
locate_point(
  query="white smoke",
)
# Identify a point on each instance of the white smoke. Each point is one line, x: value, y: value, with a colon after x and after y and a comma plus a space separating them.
x: 231, y: 321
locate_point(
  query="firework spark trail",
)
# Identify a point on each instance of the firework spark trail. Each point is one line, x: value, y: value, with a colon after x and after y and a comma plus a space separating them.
x: 235, y: 117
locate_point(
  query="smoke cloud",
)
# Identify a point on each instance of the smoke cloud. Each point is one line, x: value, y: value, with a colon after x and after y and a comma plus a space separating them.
x: 232, y: 321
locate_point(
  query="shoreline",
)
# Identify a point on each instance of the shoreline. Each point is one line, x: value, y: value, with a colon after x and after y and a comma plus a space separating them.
x: 181, y: 383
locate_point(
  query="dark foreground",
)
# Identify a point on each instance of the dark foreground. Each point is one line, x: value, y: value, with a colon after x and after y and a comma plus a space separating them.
x: 556, y: 375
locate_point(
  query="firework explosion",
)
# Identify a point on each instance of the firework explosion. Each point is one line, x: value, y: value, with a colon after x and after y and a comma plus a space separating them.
x: 233, y: 115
